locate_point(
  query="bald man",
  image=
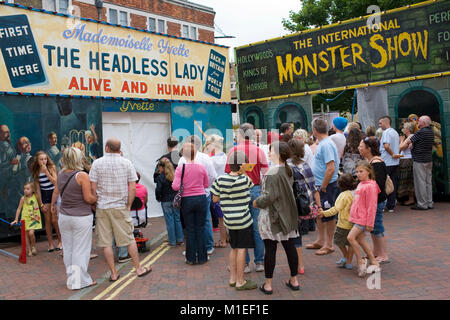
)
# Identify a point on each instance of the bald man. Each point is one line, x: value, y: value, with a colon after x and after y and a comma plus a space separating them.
x: 422, y: 148
x: 113, y: 179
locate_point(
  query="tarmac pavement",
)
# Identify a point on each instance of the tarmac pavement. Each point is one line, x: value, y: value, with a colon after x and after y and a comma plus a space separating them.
x: 418, y: 246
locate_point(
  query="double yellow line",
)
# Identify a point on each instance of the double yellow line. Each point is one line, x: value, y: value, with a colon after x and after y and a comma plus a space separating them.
x: 123, y: 282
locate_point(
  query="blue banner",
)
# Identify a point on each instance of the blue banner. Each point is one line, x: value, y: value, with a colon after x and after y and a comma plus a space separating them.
x: 20, y: 51
x: 214, y: 76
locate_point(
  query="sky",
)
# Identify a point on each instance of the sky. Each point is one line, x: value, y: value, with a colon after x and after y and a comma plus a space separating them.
x: 250, y: 20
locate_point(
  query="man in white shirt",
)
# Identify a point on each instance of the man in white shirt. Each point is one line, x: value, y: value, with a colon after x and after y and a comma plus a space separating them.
x: 389, y: 149
x: 113, y: 179
x: 204, y: 159
x: 339, y: 139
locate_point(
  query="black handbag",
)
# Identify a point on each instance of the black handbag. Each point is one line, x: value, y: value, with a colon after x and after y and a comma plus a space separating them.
x: 300, y: 195
x: 177, y: 199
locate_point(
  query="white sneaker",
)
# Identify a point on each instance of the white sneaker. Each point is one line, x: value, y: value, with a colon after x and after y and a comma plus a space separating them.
x: 184, y: 253
x: 362, y: 269
x: 391, y: 211
x: 259, y: 267
x: 247, y: 269
x: 210, y: 251
x: 373, y: 269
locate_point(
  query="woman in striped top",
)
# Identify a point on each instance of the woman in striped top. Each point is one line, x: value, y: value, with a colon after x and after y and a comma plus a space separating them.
x: 45, y: 176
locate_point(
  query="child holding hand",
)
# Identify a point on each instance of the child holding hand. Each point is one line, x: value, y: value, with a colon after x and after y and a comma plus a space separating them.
x: 362, y: 214
x: 343, y: 203
x: 29, y: 208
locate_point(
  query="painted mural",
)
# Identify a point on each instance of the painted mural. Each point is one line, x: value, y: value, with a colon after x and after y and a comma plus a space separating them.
x: 51, y: 124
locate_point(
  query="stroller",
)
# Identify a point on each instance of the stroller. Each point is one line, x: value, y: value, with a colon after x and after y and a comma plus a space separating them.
x: 139, y: 221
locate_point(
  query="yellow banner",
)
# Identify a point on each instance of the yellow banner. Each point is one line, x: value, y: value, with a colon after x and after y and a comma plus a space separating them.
x: 50, y: 54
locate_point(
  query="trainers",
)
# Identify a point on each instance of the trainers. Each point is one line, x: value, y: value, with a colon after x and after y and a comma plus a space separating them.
x: 247, y: 269
x: 184, y: 253
x: 210, y: 251
x: 259, y: 267
x: 124, y: 259
x: 341, y: 262
x: 362, y: 268
x: 348, y: 266
x: 391, y: 210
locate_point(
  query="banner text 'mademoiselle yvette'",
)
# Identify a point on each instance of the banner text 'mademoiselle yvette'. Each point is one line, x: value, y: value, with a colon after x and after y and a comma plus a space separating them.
x: 144, y: 44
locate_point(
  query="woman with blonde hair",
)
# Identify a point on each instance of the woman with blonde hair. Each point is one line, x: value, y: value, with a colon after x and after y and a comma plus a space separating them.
x: 44, y: 175
x: 165, y: 194
x: 75, y: 218
x: 405, y: 186
x: 303, y: 136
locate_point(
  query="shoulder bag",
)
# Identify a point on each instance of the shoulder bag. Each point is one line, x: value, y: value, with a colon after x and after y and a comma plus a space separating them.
x: 177, y: 199
x: 389, y: 186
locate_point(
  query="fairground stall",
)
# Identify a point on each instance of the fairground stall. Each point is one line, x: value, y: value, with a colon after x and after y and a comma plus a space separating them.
x: 398, y: 63
x: 68, y: 81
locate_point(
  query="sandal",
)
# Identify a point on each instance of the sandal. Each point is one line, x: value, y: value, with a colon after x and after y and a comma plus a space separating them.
x: 324, y: 251
x: 248, y: 285
x: 263, y: 290
x: 220, y: 244
x: 232, y: 284
x: 292, y: 287
x: 147, y: 271
x: 313, y: 246
x: 114, y: 280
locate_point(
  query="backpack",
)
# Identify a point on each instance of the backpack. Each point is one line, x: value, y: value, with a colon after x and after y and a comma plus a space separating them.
x: 135, y: 206
x: 300, y: 194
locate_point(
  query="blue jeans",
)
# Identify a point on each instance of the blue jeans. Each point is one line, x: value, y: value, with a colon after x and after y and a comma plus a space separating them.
x: 173, y: 223
x: 255, y: 192
x: 194, y: 212
x: 378, y: 228
x: 209, y: 240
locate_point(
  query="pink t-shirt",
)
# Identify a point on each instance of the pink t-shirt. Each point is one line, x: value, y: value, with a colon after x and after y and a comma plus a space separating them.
x: 195, y: 179
x: 141, y: 193
x: 364, y: 206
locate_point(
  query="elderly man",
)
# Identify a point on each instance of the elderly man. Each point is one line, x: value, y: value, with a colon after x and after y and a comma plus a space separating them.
x: 256, y: 157
x: 422, y: 148
x: 389, y: 148
x: 204, y: 159
x: 113, y: 179
x: 325, y: 169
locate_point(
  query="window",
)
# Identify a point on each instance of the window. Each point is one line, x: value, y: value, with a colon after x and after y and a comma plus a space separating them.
x: 152, y: 24
x: 161, y: 26
x: 193, y: 33
x: 123, y: 18
x: 189, y: 32
x: 185, y: 32
x: 112, y: 16
x: 63, y: 6
x: 118, y: 17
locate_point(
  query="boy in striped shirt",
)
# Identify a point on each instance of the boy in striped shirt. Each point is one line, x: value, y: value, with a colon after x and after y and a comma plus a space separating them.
x: 233, y: 192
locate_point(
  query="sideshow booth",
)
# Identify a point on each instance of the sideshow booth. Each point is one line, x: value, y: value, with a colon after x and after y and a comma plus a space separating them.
x: 398, y: 64
x: 84, y: 81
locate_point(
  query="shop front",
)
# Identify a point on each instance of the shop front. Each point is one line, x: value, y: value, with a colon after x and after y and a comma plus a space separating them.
x: 69, y: 81
x: 398, y: 62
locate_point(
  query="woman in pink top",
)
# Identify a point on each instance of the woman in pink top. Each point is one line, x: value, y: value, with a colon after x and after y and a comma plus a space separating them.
x: 362, y: 214
x: 193, y: 204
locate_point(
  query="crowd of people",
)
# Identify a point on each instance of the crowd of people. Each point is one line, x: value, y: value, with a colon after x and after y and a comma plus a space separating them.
x: 259, y: 193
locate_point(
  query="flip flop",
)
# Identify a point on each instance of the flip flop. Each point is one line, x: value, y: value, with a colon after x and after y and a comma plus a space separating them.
x: 50, y: 250
x: 147, y: 271
x: 263, y: 290
x: 248, y: 285
x: 220, y: 244
x: 114, y: 280
x: 384, y: 261
x: 313, y: 246
x: 292, y: 287
x: 324, y: 252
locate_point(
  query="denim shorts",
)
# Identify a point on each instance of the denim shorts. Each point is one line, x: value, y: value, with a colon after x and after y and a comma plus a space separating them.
x: 363, y: 228
x: 330, y: 196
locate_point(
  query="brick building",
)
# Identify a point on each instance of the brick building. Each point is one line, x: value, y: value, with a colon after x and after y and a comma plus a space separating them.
x: 179, y: 18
